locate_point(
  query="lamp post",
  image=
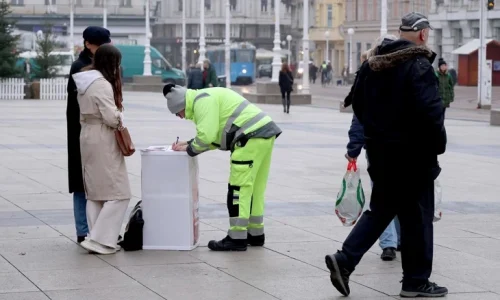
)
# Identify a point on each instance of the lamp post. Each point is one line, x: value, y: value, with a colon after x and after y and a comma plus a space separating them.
x: 227, y: 63
x: 327, y: 39
x: 289, y: 39
x: 305, y: 48
x: 202, y: 51
x: 183, y: 48
x: 350, y: 32
x: 383, y: 17
x: 277, y: 41
x: 71, y: 25
x: 147, y: 50
x: 105, y: 13
x: 482, y: 86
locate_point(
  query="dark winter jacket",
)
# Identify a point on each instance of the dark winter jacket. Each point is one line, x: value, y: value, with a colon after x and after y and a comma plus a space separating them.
x: 356, y: 138
x: 399, y: 106
x: 195, y: 79
x: 210, y: 77
x: 286, y: 81
x: 73, y: 125
x: 446, y: 88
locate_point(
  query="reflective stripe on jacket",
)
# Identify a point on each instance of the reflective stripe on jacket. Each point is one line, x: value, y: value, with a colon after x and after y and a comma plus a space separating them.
x: 222, y: 118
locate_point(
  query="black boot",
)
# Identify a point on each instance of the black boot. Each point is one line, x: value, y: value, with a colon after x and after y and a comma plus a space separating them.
x: 339, y: 274
x: 256, y: 241
x: 388, y: 254
x: 427, y: 289
x: 228, y: 244
x: 80, y: 239
x: 284, y: 105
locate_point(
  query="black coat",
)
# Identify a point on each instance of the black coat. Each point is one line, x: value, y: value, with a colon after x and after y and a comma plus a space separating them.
x: 286, y: 81
x: 396, y: 99
x: 75, y: 176
x: 195, y: 79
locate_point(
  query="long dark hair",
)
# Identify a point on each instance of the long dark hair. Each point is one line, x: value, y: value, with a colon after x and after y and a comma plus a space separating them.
x: 107, y: 60
x: 285, y: 68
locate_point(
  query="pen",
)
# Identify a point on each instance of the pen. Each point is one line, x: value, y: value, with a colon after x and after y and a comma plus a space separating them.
x: 177, y: 140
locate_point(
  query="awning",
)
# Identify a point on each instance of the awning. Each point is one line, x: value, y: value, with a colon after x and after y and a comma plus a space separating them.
x: 470, y: 47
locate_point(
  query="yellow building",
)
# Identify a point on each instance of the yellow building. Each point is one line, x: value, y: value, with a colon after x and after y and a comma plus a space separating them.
x: 329, y: 17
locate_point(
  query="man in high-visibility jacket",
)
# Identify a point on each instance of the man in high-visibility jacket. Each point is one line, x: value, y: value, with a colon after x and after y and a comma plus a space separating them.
x: 225, y: 120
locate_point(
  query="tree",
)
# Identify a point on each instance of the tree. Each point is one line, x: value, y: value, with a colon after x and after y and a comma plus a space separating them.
x: 8, y: 43
x: 46, y: 64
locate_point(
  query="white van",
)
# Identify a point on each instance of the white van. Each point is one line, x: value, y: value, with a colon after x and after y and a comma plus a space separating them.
x: 67, y: 58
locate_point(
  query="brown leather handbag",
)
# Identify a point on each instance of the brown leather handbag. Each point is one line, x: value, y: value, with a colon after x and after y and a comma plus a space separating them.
x: 124, y: 140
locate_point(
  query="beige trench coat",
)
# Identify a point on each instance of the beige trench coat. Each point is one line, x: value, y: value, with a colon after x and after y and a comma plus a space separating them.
x: 104, y: 170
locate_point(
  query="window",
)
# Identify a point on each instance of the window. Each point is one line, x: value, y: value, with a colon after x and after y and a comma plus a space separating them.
x: 232, y: 4
x: 179, y: 5
x: 244, y: 56
x: 368, y: 46
x: 208, y: 4
x: 263, y: 5
x: 250, y: 31
x: 350, y: 10
x: 50, y: 2
x: 370, y: 12
x: 78, y: 3
x: 361, y: 11
x: 358, y: 53
x: 178, y: 30
x: 265, y: 31
x: 98, y: 3
x: 457, y: 37
x: 17, y: 2
x: 209, y: 30
x: 125, y: 3
x: 235, y: 30
x: 329, y: 16
x: 497, y: 34
x: 475, y: 33
x: 193, y: 30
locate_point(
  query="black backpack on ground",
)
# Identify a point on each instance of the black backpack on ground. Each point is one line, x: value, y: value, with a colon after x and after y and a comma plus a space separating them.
x: 132, y: 239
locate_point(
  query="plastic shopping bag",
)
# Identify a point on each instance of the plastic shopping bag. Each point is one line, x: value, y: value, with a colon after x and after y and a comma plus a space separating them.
x: 351, y: 197
x: 438, y: 198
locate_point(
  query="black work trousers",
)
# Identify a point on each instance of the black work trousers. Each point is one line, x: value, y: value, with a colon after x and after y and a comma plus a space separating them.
x: 411, y: 198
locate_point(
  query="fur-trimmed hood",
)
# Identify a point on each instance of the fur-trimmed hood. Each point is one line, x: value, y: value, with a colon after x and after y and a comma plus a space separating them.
x: 394, y: 53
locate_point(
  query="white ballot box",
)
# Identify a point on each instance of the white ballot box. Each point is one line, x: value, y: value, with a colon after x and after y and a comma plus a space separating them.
x: 169, y: 199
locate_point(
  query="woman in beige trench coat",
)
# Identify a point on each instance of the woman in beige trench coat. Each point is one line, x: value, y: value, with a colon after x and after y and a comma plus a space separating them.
x: 104, y: 171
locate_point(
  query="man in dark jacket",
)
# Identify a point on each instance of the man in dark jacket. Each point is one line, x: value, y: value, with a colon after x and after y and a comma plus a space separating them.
x: 401, y: 111
x: 195, y: 78
x: 93, y: 38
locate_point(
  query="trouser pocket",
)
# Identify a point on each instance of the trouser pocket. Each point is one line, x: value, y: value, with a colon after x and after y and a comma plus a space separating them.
x: 240, y: 188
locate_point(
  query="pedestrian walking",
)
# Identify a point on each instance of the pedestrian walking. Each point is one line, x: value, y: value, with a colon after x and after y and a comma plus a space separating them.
x: 225, y: 120
x: 446, y: 84
x: 105, y: 175
x: 195, y: 78
x: 286, y: 86
x: 93, y: 37
x: 389, y: 240
x: 401, y: 111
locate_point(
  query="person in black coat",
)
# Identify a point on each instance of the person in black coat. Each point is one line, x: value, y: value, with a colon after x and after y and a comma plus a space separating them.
x: 286, y: 86
x: 93, y: 38
x: 195, y: 78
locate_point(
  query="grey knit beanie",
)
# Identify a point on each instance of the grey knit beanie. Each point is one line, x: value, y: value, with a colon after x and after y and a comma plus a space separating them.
x: 176, y: 98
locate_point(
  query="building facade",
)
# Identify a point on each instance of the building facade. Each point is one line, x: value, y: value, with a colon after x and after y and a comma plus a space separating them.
x: 327, y: 28
x: 456, y: 22
x: 251, y: 21
x: 125, y: 18
x: 364, y: 17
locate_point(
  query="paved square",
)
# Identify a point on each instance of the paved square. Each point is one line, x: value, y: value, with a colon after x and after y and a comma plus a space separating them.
x: 40, y: 260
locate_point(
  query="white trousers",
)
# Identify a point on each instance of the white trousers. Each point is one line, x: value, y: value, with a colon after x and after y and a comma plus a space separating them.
x: 105, y: 220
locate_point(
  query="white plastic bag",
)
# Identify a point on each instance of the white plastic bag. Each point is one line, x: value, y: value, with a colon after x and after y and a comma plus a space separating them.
x: 351, y: 197
x: 438, y: 199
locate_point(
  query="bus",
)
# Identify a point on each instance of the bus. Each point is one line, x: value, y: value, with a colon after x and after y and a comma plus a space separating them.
x: 242, y: 61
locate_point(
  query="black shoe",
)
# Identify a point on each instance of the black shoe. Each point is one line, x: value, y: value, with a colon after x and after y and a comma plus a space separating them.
x: 80, y: 239
x: 256, y: 241
x: 339, y: 275
x: 228, y: 244
x: 428, y: 290
x: 388, y: 254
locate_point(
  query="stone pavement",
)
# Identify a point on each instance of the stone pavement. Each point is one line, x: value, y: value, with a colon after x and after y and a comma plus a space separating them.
x: 40, y: 260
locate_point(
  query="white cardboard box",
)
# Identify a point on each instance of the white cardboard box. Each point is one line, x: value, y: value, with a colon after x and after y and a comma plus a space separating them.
x: 169, y: 199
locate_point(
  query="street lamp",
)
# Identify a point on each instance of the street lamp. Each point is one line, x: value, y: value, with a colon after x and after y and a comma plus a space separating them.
x: 183, y: 48
x: 350, y: 32
x: 71, y: 26
x: 327, y: 38
x: 305, y: 47
x: 277, y: 41
x: 289, y: 39
x: 227, y: 63
x: 202, y: 51
x: 105, y: 14
x: 147, y: 45
x: 383, y: 18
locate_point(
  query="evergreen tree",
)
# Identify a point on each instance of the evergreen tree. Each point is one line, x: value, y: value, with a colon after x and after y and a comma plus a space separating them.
x: 46, y: 64
x: 8, y: 43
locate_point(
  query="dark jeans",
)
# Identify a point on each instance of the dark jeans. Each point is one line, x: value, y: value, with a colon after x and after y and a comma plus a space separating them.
x: 412, y: 201
x: 286, y: 101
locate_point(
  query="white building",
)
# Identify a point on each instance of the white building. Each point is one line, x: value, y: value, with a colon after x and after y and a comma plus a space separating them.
x: 251, y: 20
x: 456, y: 22
x: 125, y: 18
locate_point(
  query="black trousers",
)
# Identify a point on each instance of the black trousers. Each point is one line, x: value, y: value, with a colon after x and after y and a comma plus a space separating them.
x: 285, y: 96
x: 411, y: 198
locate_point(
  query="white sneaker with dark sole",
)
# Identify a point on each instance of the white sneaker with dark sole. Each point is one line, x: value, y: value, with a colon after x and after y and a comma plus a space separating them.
x: 95, y: 247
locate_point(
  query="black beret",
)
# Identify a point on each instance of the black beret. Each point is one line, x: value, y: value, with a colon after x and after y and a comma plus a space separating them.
x: 96, y: 35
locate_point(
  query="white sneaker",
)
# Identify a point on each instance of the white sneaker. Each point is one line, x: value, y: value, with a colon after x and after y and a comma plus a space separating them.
x: 92, y: 246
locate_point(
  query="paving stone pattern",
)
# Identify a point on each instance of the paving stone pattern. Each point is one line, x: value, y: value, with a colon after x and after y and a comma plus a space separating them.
x: 39, y: 258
